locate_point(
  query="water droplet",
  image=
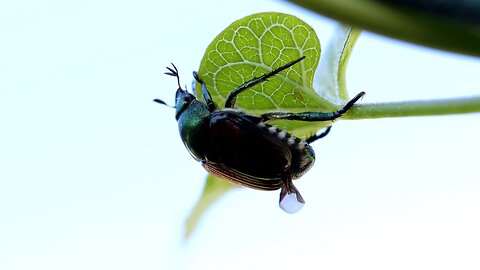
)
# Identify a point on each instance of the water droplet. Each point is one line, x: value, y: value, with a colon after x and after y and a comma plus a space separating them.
x: 290, y: 203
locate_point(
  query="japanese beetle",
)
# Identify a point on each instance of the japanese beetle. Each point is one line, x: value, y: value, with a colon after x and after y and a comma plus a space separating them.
x: 243, y: 148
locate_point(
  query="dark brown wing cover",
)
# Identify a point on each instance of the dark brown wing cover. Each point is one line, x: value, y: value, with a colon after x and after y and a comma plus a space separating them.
x: 240, y: 178
x: 241, y: 146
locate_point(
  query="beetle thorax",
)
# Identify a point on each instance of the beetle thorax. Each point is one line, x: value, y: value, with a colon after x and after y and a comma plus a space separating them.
x: 193, y: 126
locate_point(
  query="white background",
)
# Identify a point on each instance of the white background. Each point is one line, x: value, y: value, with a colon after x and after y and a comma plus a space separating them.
x: 93, y: 174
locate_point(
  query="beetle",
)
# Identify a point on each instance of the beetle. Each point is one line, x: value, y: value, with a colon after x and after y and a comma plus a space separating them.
x: 244, y: 148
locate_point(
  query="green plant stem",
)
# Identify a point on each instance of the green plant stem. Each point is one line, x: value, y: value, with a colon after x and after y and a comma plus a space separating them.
x: 414, y: 108
x: 406, y: 22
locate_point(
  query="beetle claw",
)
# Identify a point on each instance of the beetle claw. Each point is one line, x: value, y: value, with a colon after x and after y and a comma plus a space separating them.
x: 290, y: 199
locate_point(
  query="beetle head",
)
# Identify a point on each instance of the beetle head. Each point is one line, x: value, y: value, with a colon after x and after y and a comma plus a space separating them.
x: 182, y: 97
x: 182, y: 101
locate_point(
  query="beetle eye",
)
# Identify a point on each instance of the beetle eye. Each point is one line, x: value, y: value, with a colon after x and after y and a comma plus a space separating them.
x: 178, y: 95
x: 290, y: 203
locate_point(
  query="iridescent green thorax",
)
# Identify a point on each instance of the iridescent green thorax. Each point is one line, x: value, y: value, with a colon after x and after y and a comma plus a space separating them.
x: 193, y: 126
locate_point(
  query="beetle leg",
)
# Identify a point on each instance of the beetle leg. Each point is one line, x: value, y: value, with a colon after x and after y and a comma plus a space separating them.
x: 206, y: 95
x: 317, y: 136
x: 232, y: 97
x: 313, y: 116
x: 290, y: 199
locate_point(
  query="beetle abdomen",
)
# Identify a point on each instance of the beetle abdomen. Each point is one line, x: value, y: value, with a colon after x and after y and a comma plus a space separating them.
x: 302, y: 153
x: 241, y: 178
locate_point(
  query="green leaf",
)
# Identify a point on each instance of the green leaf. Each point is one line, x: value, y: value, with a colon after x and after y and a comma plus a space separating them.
x: 449, y: 24
x: 258, y: 44
x: 330, y: 75
x: 214, y: 189
x: 255, y: 45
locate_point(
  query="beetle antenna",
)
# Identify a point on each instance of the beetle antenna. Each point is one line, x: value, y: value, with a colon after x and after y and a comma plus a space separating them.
x: 163, y: 103
x: 174, y: 72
